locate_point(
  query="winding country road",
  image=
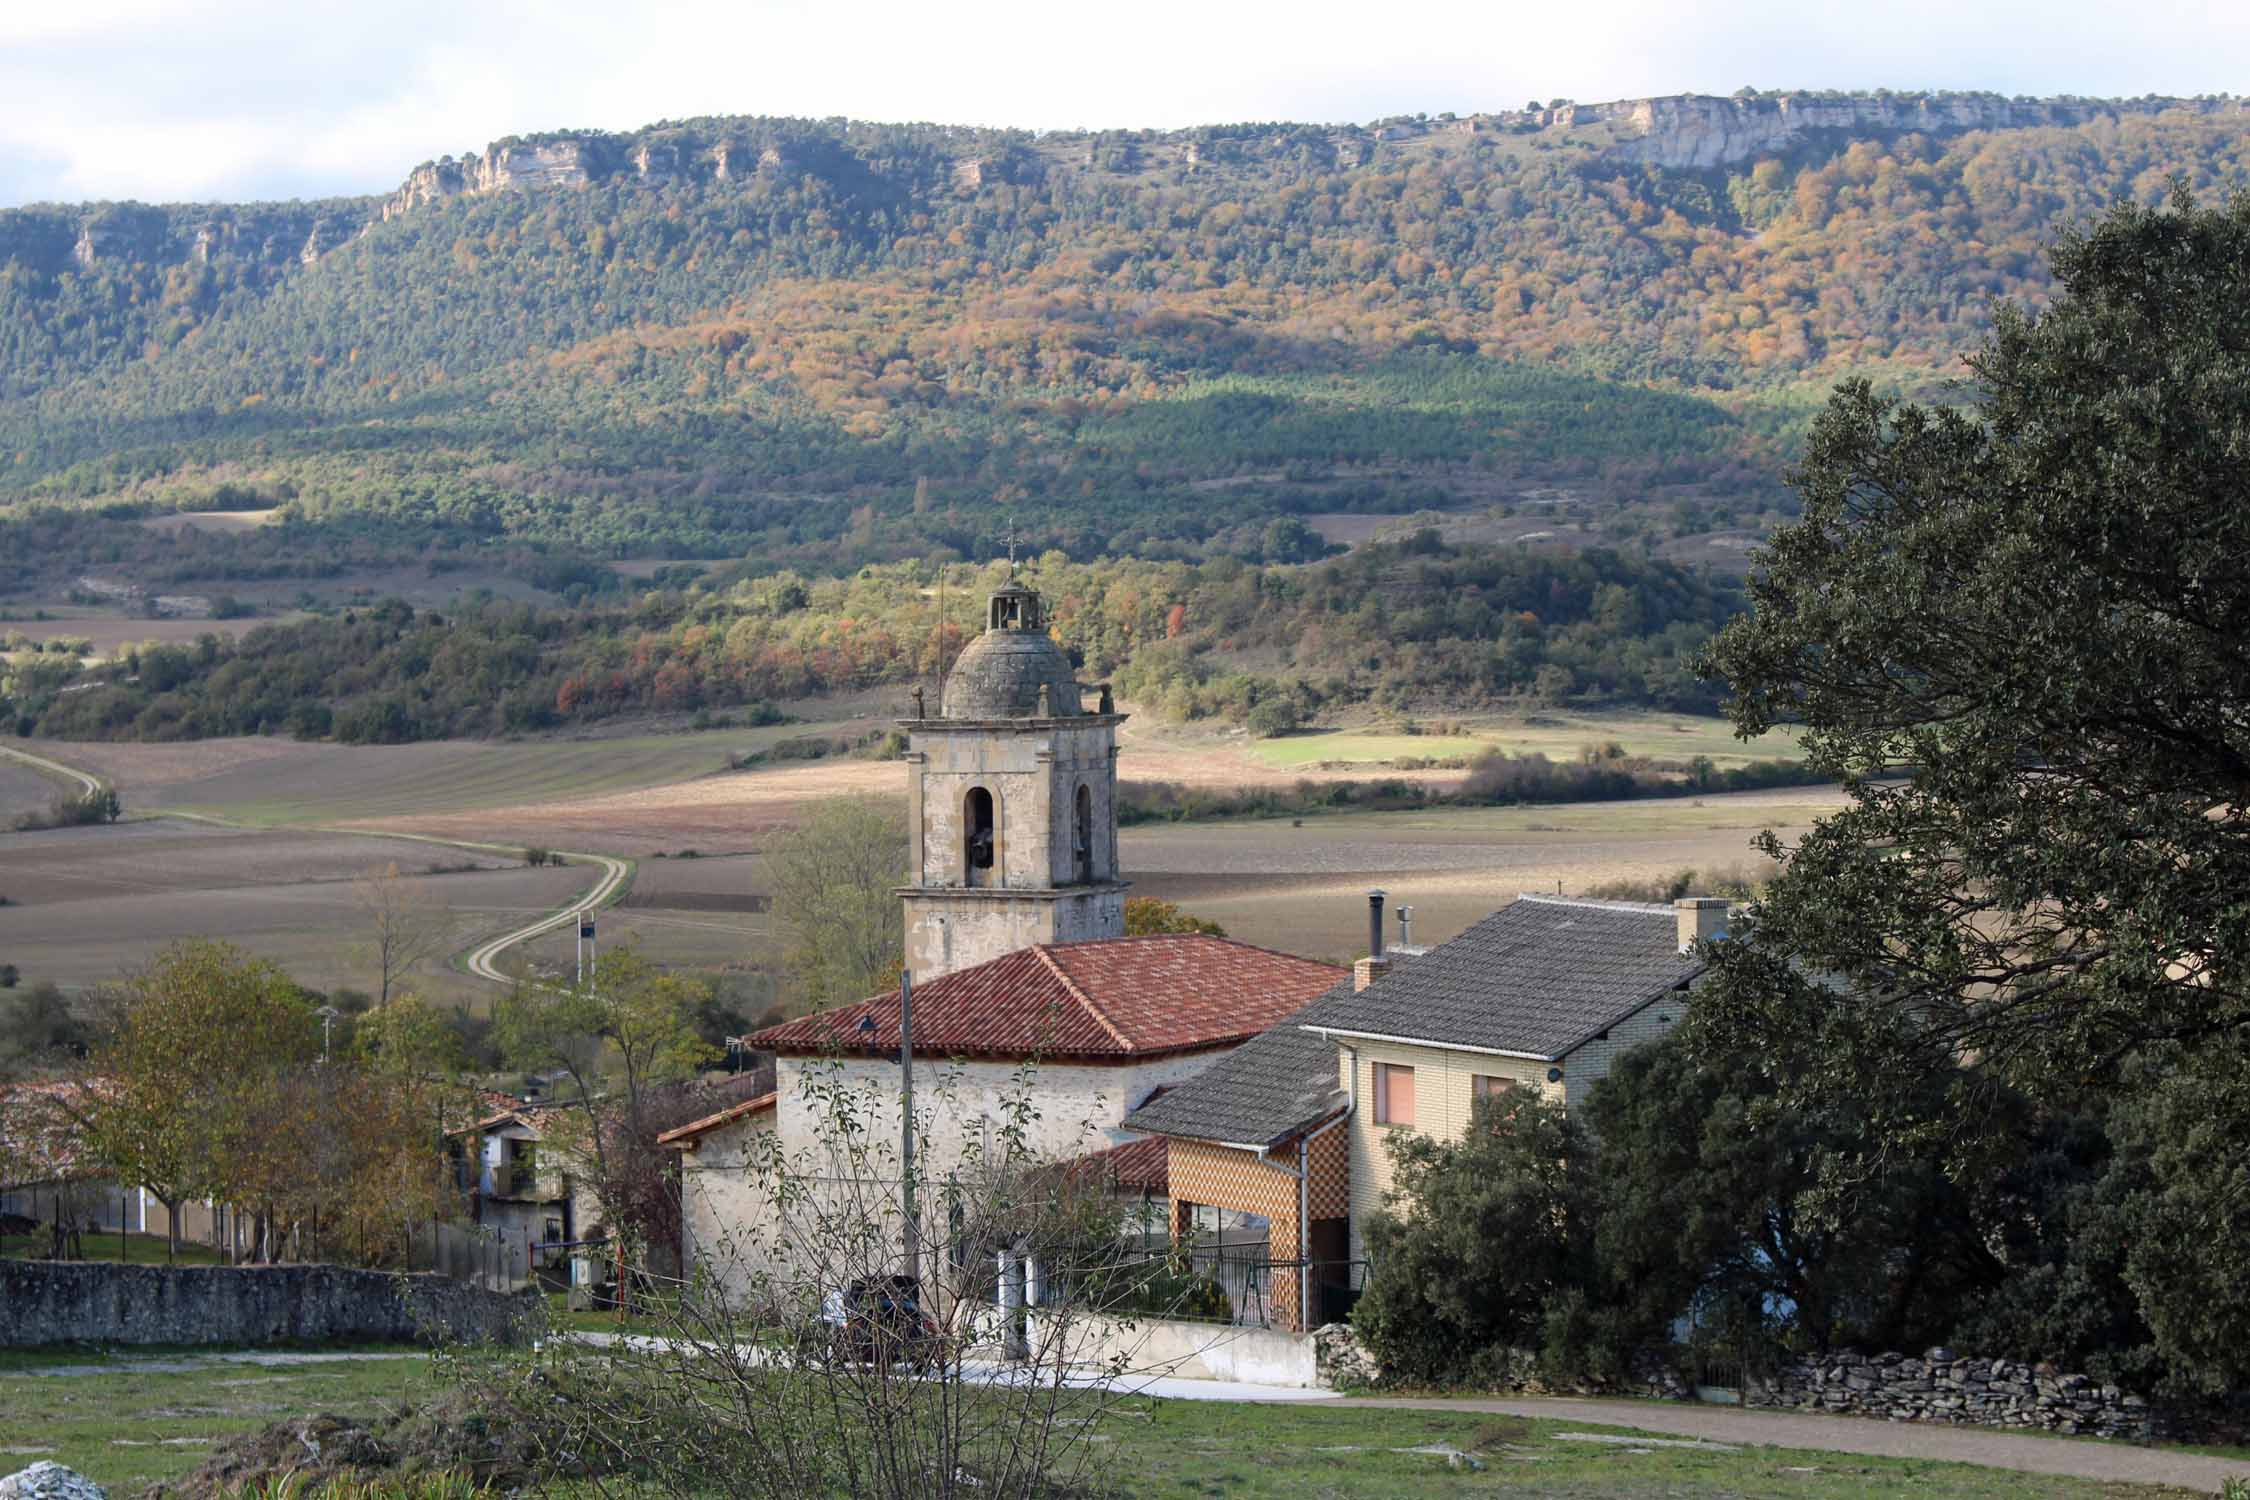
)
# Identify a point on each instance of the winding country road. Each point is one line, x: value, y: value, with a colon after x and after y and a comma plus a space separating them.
x: 482, y: 961
x: 615, y: 872
x: 88, y: 783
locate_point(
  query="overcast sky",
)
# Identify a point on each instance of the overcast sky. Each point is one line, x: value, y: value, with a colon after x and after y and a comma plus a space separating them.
x: 232, y: 99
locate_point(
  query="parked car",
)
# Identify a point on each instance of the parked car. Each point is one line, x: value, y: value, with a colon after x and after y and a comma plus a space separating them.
x: 880, y: 1319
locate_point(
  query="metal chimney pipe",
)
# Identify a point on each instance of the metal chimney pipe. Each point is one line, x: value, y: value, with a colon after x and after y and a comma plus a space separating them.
x: 1406, y: 927
x: 1375, y: 923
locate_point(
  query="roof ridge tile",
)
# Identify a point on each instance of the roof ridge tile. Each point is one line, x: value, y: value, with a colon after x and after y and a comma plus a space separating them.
x: 1101, y: 1017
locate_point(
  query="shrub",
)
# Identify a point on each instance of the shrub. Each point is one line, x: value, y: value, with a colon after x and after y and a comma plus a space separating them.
x: 1273, y: 718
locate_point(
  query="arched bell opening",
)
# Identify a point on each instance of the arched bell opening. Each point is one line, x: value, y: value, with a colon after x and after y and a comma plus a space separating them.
x: 980, y: 838
x: 1082, y: 834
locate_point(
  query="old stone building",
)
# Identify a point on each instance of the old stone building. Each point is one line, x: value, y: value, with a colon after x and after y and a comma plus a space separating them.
x: 1012, y: 802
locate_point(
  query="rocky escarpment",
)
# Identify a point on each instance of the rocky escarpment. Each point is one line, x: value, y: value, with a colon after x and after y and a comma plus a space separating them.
x: 1681, y: 132
x: 1696, y: 131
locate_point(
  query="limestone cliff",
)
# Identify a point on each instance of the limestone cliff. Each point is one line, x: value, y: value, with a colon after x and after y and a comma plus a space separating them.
x: 1698, y: 131
x: 1680, y: 132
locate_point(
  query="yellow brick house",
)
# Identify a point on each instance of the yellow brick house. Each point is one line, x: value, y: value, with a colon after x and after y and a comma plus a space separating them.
x: 1544, y: 994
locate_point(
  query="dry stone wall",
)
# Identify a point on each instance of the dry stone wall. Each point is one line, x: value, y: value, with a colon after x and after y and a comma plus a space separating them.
x: 1939, y: 1387
x: 103, y: 1303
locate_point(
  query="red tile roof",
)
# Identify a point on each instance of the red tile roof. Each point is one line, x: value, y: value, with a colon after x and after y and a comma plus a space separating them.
x: 1109, y: 1000
x: 686, y: 1137
x: 1143, y: 1164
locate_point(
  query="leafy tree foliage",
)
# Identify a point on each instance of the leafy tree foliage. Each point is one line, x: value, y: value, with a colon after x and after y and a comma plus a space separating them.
x: 626, y: 1036
x: 1481, y: 1242
x: 2038, y: 601
x: 1146, y: 916
x: 182, y: 1092
x: 833, y: 879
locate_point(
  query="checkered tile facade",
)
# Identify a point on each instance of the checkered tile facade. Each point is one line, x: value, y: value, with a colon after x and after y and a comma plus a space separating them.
x: 1253, y: 1182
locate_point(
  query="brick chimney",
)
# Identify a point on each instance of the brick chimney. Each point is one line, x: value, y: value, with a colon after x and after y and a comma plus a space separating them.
x: 1375, y: 965
x: 1701, y: 918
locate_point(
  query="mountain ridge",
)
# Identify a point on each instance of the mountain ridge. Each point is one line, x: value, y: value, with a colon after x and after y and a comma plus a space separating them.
x: 1684, y: 131
x: 864, y: 339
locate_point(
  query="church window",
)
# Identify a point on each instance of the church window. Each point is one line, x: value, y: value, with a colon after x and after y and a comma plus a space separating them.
x: 1082, y: 834
x: 980, y: 838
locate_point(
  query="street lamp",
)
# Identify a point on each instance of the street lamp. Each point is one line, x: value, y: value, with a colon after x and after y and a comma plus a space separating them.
x: 328, y: 1015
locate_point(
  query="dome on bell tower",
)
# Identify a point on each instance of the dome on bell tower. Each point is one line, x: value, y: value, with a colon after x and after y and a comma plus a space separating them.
x: 1001, y: 674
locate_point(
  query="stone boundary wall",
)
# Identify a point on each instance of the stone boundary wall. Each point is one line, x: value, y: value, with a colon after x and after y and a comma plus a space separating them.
x: 1941, y: 1387
x: 1938, y: 1387
x: 95, y: 1302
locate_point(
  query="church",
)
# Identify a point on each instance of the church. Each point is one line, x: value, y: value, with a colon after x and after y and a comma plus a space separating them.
x: 1025, y: 986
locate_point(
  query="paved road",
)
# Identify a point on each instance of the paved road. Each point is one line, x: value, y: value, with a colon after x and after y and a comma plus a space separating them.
x: 2021, y: 1451
x: 615, y: 872
x: 87, y: 781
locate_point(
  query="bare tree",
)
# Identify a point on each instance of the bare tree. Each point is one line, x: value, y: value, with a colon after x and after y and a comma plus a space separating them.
x: 803, y: 1357
x: 404, y: 926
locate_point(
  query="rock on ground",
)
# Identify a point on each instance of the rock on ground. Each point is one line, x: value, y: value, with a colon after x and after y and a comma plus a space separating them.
x: 47, y: 1480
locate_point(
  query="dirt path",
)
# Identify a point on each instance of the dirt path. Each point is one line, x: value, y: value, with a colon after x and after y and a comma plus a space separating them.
x: 2022, y: 1451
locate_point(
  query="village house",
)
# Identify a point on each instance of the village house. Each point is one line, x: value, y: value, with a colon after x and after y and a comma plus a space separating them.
x: 1289, y: 1131
x: 516, y: 1181
x: 1064, y: 1038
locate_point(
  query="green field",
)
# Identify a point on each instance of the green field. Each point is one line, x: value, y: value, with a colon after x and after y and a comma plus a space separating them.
x: 128, y: 1421
x: 1558, y: 736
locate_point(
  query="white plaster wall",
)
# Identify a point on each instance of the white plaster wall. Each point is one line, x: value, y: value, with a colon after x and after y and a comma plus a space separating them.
x: 1193, y: 1351
x: 720, y: 1199
x: 1443, y: 1085
x: 733, y: 1229
x: 962, y: 1108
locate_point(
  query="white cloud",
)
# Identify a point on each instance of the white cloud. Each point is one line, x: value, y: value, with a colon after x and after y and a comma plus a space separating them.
x: 260, y: 98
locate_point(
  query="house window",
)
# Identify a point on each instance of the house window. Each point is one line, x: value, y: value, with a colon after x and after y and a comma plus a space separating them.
x: 979, y: 838
x: 1489, y: 1087
x: 1394, y: 1094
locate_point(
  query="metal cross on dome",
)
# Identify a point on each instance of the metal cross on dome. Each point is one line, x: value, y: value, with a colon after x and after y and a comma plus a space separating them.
x: 1011, y: 540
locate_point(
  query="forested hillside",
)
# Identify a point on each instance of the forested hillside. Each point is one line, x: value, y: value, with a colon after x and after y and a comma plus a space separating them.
x: 828, y: 342
x: 1389, y: 625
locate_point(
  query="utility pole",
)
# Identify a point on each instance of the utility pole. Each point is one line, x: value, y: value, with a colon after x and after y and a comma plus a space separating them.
x: 328, y: 1015
x: 906, y: 1122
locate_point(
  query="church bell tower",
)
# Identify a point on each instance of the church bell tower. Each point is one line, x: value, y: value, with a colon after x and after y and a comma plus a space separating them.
x: 1012, y: 799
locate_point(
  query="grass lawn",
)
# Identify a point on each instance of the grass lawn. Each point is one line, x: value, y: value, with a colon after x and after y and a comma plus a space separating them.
x: 1558, y: 736
x: 1305, y: 1452
x: 140, y: 1249
x: 127, y: 1421
x: 149, y: 1416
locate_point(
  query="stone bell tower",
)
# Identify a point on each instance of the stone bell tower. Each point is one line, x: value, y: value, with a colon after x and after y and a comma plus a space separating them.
x: 1012, y: 800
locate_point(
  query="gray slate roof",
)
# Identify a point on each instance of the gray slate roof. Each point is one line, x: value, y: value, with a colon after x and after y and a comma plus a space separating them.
x: 1263, y: 1091
x: 1538, y: 977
